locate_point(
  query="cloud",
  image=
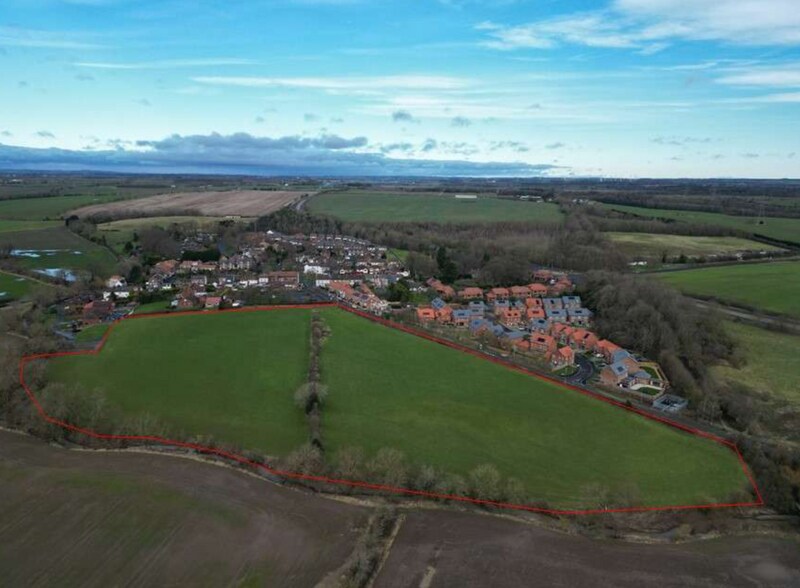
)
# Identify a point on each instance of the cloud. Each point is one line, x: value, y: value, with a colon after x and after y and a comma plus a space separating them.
x: 680, y: 141
x: 82, y: 77
x: 460, y: 121
x: 556, y: 145
x: 407, y: 82
x: 402, y: 116
x: 6, y: 134
x: 259, y: 119
x: 144, y: 102
x: 787, y: 76
x: 242, y: 153
x: 45, y: 134
x: 37, y: 39
x: 310, y: 117
x: 429, y: 145
x: 516, y: 146
x: 649, y: 26
x: 166, y: 63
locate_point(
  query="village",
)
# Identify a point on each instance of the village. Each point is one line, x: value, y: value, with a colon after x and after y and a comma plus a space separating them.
x: 543, y: 323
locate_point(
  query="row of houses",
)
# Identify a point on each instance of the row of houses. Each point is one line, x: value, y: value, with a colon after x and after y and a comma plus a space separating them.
x: 360, y: 296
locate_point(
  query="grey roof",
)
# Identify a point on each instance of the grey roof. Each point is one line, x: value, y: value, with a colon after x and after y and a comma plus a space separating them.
x: 579, y: 312
x: 619, y: 369
x: 555, y: 313
x: 461, y: 313
x: 619, y: 355
x: 438, y: 303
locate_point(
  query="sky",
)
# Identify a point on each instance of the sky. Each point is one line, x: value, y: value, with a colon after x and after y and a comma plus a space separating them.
x: 614, y: 88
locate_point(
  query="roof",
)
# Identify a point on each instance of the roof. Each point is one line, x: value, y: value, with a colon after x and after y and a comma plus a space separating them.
x: 461, y: 313
x: 438, y: 303
x: 619, y: 369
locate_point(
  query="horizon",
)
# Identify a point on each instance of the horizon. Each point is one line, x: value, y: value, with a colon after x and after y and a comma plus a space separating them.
x: 612, y: 89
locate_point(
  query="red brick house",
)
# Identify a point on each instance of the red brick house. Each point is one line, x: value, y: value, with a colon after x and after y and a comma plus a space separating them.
x: 97, y: 310
x: 537, y: 290
x: 521, y: 292
x: 542, y: 275
x: 532, y: 313
x: 471, y: 293
x: 287, y: 279
x: 583, y: 340
x: 426, y: 314
x: 562, y: 357
x: 510, y: 316
x: 443, y: 290
x: 497, y: 294
x: 444, y: 315
x: 542, y: 343
x: 212, y: 302
x: 607, y: 349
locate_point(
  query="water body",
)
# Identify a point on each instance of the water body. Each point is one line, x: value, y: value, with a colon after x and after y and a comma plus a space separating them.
x: 58, y: 273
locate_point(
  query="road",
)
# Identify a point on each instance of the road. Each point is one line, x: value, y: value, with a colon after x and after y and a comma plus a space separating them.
x: 585, y: 371
x: 749, y: 316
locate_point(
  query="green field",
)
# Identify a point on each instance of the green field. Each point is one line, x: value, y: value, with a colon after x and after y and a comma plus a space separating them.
x: 773, y: 362
x: 653, y: 245
x: 445, y: 208
x: 59, y: 248
x: 47, y: 208
x: 784, y: 229
x: 14, y: 287
x: 771, y: 286
x: 233, y: 375
x: 117, y: 233
x: 13, y: 226
x: 227, y: 375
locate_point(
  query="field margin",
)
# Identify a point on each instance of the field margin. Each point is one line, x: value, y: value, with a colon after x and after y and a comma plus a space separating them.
x: 382, y: 487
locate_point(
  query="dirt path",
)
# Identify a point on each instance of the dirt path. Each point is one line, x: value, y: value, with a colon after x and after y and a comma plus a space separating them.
x: 75, y: 518
x: 441, y: 549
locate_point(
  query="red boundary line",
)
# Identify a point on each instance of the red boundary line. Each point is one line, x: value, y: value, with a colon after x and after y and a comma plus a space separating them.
x: 382, y: 487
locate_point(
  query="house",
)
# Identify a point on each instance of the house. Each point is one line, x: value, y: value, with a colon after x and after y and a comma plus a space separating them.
x: 199, y: 280
x: 606, y: 348
x: 613, y: 374
x: 444, y: 314
x: 534, y: 313
x: 445, y: 291
x: 477, y: 308
x: 438, y: 303
x: 236, y: 262
x: 553, y: 303
x: 539, y: 290
x: 497, y: 294
x: 425, y: 314
x: 579, y: 316
x: 542, y: 275
x: 510, y: 317
x: 540, y: 325
x: 166, y: 267
x: 624, y: 357
x: 186, y: 299
x: 542, y: 343
x: 582, y: 340
x: 97, y: 310
x: 561, y: 332
x: 116, y: 282
x: 571, y: 302
x: 534, y: 303
x: 562, y: 357
x: 461, y: 317
x: 520, y: 292
x: 556, y: 315
x: 212, y: 302
x: 286, y: 279
x: 471, y: 293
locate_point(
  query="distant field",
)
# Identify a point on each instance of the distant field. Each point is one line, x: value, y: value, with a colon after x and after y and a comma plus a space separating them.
x: 773, y: 286
x: 390, y: 389
x: 388, y: 206
x: 773, y: 362
x: 47, y: 208
x: 785, y: 229
x: 59, y: 248
x: 234, y: 202
x: 13, y: 226
x: 14, y: 287
x: 653, y: 246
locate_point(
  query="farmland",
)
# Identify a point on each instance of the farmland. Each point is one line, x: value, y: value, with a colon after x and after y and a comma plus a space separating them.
x: 58, y: 248
x: 784, y: 229
x: 47, y: 208
x: 436, y: 405
x: 15, y: 226
x: 774, y: 286
x: 234, y: 202
x: 239, y: 390
x: 74, y: 518
x: 14, y: 287
x: 444, y: 208
x: 773, y: 362
x: 654, y: 246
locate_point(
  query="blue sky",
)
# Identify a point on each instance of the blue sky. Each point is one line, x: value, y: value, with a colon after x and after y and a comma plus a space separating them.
x: 632, y: 88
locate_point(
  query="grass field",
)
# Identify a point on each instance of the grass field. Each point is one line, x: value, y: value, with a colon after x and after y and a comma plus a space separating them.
x: 117, y: 233
x: 48, y: 208
x: 773, y: 362
x: 13, y: 226
x: 771, y: 286
x: 388, y: 206
x: 784, y: 229
x: 653, y: 246
x: 59, y: 248
x: 228, y: 375
x: 15, y: 287
x: 232, y: 375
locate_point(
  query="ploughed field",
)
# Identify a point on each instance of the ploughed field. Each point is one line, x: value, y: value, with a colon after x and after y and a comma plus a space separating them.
x: 233, y: 202
x: 774, y: 286
x: 655, y: 245
x: 233, y: 375
x: 444, y: 208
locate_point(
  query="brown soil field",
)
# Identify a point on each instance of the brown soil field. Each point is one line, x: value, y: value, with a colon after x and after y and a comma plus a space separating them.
x: 75, y: 518
x: 229, y: 203
x: 442, y: 549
